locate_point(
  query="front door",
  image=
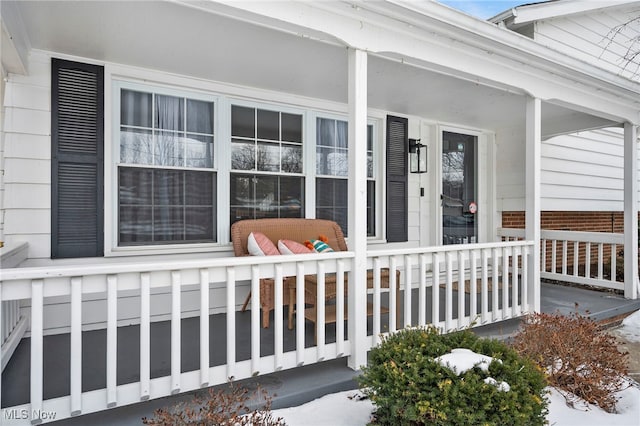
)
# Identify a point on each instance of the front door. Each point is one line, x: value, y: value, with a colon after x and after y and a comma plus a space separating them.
x: 459, y: 224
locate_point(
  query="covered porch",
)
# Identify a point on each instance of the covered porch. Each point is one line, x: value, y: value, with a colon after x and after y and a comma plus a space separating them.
x: 146, y: 322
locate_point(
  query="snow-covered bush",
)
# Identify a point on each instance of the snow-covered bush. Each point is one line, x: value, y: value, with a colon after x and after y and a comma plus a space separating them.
x: 418, y: 376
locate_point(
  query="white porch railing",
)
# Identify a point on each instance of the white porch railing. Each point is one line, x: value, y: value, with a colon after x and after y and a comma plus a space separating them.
x: 493, y: 275
x: 587, y: 258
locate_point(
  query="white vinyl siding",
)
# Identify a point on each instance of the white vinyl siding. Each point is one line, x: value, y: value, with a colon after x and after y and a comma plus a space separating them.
x: 590, y: 37
x: 27, y: 158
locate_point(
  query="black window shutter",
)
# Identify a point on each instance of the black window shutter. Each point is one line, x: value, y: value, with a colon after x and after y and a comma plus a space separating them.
x: 397, y: 179
x: 77, y: 145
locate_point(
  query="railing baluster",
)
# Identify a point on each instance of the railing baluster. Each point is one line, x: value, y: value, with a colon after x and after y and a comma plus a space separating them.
x: 376, y: 300
x: 461, y: 289
x: 448, y: 307
x: 614, y: 267
x: 587, y: 260
x: 422, y: 291
x: 204, y: 327
x: 145, y: 335
x: 231, y: 321
x: 485, y: 285
x: 543, y: 256
x: 495, y: 284
x: 407, y: 291
x: 37, y: 347
x: 554, y: 266
x: 600, y: 260
x: 576, y: 257
x: 320, y: 310
x: 278, y: 320
x: 176, y: 306
x: 564, y: 257
x: 506, y: 252
x: 525, y: 279
x: 76, y: 346
x: 300, y: 318
x: 393, y: 296
x: 112, y: 340
x: 473, y: 286
x: 515, y: 310
x: 435, y: 288
x: 340, y: 308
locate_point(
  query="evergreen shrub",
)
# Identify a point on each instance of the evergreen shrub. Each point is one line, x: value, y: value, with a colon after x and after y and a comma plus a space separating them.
x: 408, y: 387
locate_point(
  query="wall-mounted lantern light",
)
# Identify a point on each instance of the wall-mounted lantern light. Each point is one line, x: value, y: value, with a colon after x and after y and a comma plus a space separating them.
x: 417, y: 156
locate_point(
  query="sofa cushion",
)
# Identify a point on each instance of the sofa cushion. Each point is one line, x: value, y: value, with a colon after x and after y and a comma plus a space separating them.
x: 292, y: 247
x: 259, y: 245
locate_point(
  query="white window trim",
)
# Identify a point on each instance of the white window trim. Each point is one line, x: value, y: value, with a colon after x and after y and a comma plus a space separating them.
x: 223, y: 95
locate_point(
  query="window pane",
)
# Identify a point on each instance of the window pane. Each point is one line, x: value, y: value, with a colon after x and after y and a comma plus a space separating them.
x: 268, y: 125
x: 199, y: 116
x: 243, y: 155
x: 325, y: 132
x: 269, y: 157
x: 291, y: 197
x: 135, y: 225
x: 332, y: 201
x: 322, y: 160
x: 169, y: 149
x: 255, y: 196
x: 199, y: 151
x: 243, y: 122
x: 342, y: 134
x: 369, y: 164
x: 135, y: 186
x: 168, y: 223
x: 198, y: 223
x: 292, y: 158
x: 338, y: 163
x: 135, y: 108
x: 168, y: 187
x: 199, y: 188
x: 169, y: 112
x: 371, y: 208
x: 135, y: 146
x: 291, y: 127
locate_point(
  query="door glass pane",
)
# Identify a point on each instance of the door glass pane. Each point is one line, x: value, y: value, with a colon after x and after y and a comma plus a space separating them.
x: 458, y: 188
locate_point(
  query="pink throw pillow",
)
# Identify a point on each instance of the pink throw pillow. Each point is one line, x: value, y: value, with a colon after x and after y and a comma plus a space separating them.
x: 292, y: 247
x: 259, y: 245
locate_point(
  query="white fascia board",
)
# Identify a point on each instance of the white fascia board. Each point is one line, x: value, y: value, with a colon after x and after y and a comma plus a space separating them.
x: 429, y: 34
x: 15, y: 41
x: 537, y: 11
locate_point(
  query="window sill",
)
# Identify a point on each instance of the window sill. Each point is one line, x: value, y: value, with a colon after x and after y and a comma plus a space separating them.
x: 168, y: 249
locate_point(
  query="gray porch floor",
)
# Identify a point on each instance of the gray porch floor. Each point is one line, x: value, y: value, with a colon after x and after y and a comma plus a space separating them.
x: 291, y: 387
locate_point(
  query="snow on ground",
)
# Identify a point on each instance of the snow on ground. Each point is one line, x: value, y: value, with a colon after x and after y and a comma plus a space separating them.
x: 630, y: 328
x: 348, y: 409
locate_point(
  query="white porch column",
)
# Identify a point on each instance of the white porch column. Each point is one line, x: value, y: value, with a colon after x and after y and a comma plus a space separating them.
x: 532, y: 195
x: 630, y: 212
x: 357, y: 221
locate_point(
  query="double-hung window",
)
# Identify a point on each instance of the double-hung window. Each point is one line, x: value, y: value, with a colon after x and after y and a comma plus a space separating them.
x: 332, y: 171
x: 266, y: 164
x: 166, y: 178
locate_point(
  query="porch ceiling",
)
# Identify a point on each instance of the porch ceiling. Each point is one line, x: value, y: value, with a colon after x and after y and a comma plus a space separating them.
x: 187, y: 41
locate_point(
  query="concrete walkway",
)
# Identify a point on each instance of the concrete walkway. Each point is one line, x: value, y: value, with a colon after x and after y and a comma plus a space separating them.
x: 300, y: 385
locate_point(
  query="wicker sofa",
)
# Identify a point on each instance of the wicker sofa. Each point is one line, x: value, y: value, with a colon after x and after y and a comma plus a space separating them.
x: 297, y: 230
